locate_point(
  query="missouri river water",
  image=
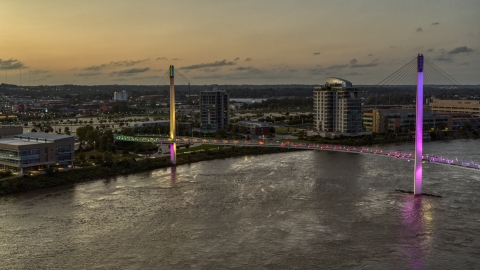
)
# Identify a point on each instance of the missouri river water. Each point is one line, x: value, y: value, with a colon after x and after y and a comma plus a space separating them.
x: 300, y: 210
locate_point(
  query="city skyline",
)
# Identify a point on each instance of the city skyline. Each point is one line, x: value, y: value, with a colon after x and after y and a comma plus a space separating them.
x: 226, y: 42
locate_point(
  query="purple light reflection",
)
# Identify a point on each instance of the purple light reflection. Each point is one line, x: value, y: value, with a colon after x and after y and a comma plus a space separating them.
x: 413, y: 233
x: 173, y: 175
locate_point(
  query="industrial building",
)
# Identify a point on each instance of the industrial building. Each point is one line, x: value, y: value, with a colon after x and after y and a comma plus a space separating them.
x: 397, y: 120
x: 471, y: 107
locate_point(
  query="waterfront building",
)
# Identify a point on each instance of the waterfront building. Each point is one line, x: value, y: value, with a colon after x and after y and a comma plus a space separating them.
x: 401, y: 120
x: 36, y: 151
x: 337, y: 108
x: 214, y: 110
x: 471, y: 107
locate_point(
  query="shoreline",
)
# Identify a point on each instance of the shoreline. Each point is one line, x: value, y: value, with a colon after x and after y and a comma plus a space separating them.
x: 124, y: 167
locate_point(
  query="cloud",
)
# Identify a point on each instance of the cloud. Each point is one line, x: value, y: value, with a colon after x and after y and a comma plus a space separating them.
x: 88, y: 74
x: 463, y: 49
x: 128, y: 63
x: 162, y: 58
x: 129, y: 72
x: 10, y: 64
x: 248, y: 59
x: 464, y: 64
x: 207, y: 65
x: 41, y: 79
x: 419, y: 29
x: 147, y: 77
x: 316, y: 53
x: 353, y: 64
x: 245, y: 68
x: 430, y: 50
x: 175, y: 59
x: 211, y: 69
x: 95, y: 68
x: 355, y: 74
x: 337, y: 66
x: 249, y: 73
x: 435, y: 23
x: 38, y: 71
x: 443, y: 58
x: 236, y: 59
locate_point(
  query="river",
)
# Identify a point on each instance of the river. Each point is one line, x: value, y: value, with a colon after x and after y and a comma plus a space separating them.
x: 299, y: 210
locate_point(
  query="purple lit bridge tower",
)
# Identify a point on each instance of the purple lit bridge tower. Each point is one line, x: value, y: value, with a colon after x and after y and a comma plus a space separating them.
x: 405, y: 76
x: 417, y: 185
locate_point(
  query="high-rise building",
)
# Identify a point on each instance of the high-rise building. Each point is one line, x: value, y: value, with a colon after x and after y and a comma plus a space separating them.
x: 214, y: 109
x: 337, y: 107
x: 121, y: 96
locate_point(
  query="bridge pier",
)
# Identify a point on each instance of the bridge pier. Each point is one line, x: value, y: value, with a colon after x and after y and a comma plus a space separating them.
x: 173, y: 126
x: 173, y: 153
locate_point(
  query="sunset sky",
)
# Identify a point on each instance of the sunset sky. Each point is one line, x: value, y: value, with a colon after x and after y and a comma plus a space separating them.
x: 233, y: 42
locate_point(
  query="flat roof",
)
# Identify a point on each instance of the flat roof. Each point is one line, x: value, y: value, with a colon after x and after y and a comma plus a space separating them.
x: 12, y: 141
x: 41, y: 135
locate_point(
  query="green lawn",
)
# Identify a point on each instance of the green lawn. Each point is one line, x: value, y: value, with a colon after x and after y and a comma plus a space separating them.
x: 197, y: 148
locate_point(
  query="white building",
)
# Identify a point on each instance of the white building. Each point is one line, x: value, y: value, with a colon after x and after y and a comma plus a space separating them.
x: 337, y: 107
x: 121, y: 96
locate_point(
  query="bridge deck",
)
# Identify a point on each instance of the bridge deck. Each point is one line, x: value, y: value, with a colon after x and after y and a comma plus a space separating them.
x: 308, y: 146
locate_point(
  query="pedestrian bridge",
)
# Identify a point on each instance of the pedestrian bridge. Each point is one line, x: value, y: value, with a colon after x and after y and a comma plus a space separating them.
x: 307, y: 146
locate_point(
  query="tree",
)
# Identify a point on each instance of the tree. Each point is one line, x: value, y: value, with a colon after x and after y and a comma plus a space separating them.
x: 107, y: 157
x: 301, y: 135
x: 81, y: 155
x: 127, y: 132
x: 220, y: 134
x: 153, y: 103
x: 102, y: 145
x: 82, y: 132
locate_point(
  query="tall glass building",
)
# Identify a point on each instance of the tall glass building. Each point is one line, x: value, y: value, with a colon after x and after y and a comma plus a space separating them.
x: 337, y: 107
x: 214, y: 109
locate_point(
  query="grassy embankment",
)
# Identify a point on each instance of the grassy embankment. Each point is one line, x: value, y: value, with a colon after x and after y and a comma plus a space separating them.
x: 126, y: 166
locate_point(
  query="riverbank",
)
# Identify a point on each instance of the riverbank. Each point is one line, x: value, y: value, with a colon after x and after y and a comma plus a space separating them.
x: 124, y: 167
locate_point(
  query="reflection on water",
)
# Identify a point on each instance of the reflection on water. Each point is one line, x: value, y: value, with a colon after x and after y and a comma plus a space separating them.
x: 416, y: 218
x: 173, y: 175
